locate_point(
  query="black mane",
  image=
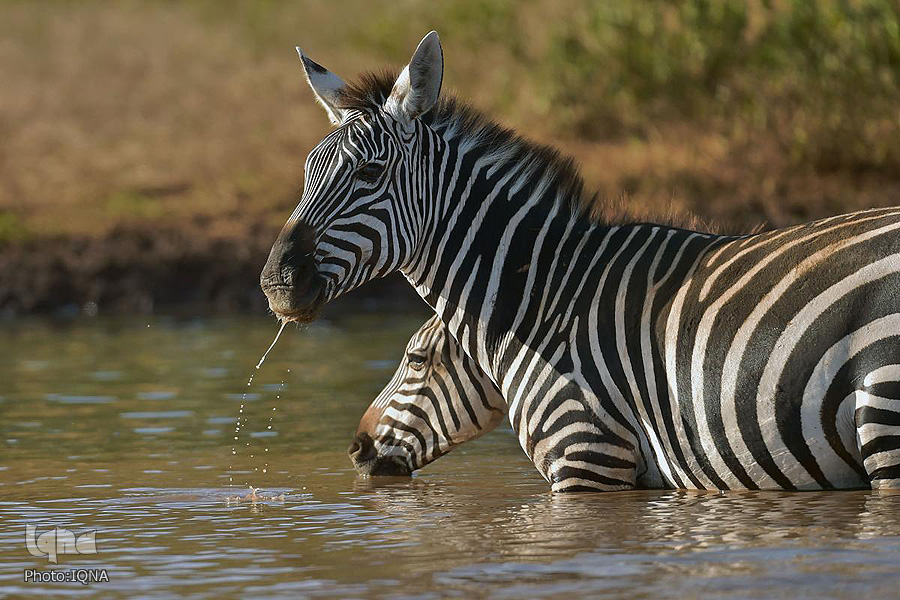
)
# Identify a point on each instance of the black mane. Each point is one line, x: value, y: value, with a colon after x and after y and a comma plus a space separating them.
x: 455, y: 119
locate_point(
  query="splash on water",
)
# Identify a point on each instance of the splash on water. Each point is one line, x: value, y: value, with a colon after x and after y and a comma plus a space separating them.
x: 253, y: 497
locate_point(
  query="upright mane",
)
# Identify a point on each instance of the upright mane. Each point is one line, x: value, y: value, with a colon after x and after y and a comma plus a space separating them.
x: 457, y: 120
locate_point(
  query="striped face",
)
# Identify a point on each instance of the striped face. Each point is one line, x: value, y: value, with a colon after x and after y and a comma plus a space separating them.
x: 354, y: 222
x: 437, y: 399
x: 363, y: 195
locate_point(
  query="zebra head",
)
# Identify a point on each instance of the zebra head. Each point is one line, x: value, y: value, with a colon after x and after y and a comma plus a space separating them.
x: 438, y: 398
x: 359, y: 217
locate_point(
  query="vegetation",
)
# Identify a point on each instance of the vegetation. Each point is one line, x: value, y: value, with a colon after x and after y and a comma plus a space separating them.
x: 157, y: 114
x: 821, y: 78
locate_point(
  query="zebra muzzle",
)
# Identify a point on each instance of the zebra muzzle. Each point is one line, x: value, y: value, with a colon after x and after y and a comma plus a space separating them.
x: 296, y: 303
x: 367, y: 462
x: 290, y: 277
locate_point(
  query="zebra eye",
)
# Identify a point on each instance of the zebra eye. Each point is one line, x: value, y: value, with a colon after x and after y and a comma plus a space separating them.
x: 416, y: 361
x: 370, y: 172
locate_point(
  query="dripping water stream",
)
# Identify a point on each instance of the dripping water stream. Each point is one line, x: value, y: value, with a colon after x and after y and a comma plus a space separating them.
x: 275, y: 341
x: 242, y: 419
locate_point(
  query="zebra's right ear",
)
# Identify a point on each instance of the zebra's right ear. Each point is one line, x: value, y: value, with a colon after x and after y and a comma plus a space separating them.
x: 325, y: 85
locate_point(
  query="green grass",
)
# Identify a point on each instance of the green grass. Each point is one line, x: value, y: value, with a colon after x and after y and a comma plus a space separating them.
x: 12, y: 229
x: 821, y: 78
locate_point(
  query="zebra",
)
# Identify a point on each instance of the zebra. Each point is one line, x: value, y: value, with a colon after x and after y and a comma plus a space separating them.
x: 629, y: 352
x: 437, y: 399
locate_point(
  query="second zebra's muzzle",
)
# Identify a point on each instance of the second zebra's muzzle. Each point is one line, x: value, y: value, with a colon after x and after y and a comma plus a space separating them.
x: 366, y: 460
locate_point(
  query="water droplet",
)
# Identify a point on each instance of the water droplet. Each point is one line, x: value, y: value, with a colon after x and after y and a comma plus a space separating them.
x: 244, y: 419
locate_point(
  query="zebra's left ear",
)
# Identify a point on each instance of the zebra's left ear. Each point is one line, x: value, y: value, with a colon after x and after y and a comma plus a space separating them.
x: 417, y: 88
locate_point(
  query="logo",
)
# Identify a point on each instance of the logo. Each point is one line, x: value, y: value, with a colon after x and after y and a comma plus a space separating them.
x: 59, y: 541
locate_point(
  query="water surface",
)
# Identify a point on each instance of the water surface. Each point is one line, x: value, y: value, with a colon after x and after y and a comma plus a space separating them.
x: 126, y: 427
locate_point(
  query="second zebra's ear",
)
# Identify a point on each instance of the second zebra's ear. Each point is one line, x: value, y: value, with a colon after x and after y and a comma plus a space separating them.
x: 325, y: 85
x: 418, y: 87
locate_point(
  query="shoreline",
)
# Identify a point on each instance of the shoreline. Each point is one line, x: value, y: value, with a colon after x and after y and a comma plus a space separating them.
x: 147, y: 269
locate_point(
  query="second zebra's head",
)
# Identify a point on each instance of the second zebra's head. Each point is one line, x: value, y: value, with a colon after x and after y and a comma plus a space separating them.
x: 363, y: 195
x: 437, y: 399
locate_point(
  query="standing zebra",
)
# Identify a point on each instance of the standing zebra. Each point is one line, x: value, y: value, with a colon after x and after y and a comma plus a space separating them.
x: 438, y: 398
x: 627, y: 351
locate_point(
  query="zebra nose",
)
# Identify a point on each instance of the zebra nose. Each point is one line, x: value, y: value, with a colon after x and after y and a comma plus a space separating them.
x: 290, y: 261
x: 290, y: 279
x: 362, y: 448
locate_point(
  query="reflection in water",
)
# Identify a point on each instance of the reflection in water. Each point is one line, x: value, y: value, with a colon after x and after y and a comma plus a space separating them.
x: 547, y: 524
x: 664, y: 543
x: 128, y: 430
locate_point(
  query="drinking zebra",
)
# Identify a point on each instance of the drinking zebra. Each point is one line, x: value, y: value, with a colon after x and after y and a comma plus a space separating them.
x: 438, y: 398
x: 629, y: 353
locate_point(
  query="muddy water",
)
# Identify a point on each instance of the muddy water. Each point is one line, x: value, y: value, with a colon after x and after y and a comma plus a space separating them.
x: 127, y: 430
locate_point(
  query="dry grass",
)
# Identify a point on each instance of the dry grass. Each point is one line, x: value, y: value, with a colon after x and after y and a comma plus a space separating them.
x: 138, y: 112
x: 163, y: 112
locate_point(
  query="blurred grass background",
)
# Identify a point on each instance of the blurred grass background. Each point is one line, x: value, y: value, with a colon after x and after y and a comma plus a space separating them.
x: 194, y: 116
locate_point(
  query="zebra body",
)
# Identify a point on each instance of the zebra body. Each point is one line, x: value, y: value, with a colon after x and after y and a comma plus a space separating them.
x: 629, y: 354
x: 830, y: 423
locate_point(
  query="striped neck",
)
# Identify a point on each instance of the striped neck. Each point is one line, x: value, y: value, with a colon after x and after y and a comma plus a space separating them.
x: 506, y: 242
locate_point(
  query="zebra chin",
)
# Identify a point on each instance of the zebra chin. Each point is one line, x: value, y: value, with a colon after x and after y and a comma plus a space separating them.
x: 289, y: 303
x: 368, y: 463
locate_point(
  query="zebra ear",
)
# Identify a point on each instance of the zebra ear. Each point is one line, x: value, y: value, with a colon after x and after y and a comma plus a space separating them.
x: 325, y: 85
x: 417, y: 88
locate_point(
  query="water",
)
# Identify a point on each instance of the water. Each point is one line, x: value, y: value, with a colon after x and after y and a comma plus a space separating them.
x: 127, y: 429
x: 269, y: 349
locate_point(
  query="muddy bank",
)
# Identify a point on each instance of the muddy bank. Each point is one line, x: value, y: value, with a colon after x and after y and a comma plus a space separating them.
x: 137, y: 269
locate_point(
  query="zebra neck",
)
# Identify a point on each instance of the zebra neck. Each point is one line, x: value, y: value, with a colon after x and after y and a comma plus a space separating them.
x: 505, y: 248
x: 510, y: 264
x: 478, y: 242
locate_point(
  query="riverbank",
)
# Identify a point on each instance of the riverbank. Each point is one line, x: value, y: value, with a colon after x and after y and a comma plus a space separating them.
x: 142, y: 269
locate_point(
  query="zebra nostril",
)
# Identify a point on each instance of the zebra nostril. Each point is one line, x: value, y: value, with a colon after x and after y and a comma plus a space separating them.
x: 291, y: 261
x: 367, y: 448
x: 362, y: 448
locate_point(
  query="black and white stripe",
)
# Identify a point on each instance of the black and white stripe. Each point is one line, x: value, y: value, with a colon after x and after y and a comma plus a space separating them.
x: 438, y: 398
x: 630, y: 354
